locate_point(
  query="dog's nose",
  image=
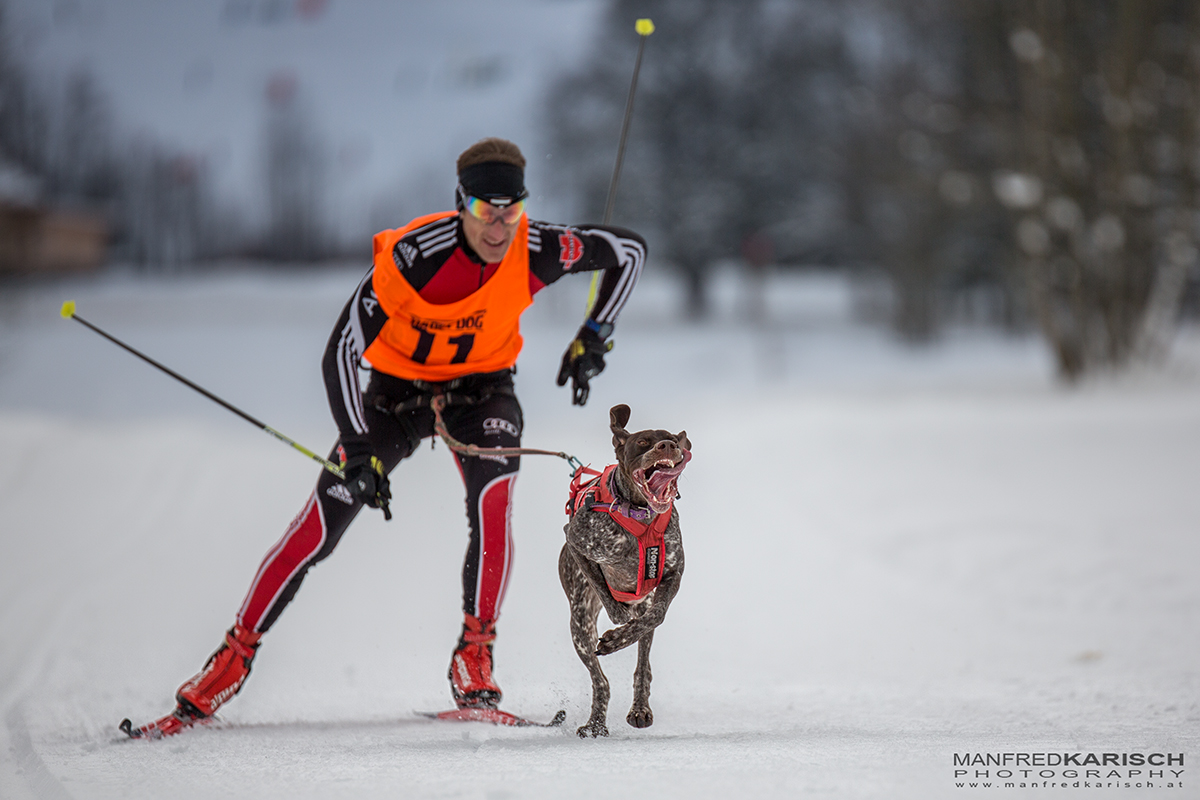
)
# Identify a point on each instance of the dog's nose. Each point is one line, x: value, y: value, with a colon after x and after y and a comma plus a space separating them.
x: 664, y: 445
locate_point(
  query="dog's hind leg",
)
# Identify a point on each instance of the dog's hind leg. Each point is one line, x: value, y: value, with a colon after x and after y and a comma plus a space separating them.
x: 640, y: 715
x: 585, y: 611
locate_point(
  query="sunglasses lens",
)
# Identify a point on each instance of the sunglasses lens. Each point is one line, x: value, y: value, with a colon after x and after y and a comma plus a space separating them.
x: 488, y: 213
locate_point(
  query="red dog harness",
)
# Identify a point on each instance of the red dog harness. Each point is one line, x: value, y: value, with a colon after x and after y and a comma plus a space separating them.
x: 646, y: 527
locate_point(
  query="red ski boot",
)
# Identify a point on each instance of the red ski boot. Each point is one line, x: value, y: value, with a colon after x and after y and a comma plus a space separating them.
x: 471, y: 666
x: 223, y: 673
x: 222, y: 677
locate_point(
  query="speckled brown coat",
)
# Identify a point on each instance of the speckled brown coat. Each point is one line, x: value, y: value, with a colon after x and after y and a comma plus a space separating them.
x: 598, y: 554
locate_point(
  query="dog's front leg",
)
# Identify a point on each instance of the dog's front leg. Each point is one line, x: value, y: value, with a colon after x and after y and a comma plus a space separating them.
x: 618, y: 612
x: 622, y: 636
x: 640, y: 715
x: 585, y: 610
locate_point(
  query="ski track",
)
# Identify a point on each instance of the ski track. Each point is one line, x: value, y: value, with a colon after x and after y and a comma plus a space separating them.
x: 894, y: 555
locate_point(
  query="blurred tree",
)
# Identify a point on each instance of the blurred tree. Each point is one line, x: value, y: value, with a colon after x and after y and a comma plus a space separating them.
x: 165, y: 217
x: 157, y: 205
x: 23, y: 115
x: 835, y: 133
x: 1106, y: 193
x: 295, y: 174
x: 929, y: 119
x: 81, y: 165
x: 736, y: 105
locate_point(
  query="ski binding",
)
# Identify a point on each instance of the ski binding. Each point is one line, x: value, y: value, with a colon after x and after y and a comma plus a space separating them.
x: 178, y: 720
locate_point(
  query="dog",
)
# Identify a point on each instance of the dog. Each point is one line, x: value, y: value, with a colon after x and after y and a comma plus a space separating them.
x: 624, y: 553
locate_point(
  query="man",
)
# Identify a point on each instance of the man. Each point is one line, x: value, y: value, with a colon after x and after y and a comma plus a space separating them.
x: 437, y: 314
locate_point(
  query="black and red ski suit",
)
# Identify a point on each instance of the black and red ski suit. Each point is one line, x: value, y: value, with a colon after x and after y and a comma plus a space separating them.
x: 434, y: 260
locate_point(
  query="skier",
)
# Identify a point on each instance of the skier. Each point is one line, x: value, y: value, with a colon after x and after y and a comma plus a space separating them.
x: 437, y: 314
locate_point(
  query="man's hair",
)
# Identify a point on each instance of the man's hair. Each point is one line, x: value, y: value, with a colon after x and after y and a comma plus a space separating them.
x: 491, y: 149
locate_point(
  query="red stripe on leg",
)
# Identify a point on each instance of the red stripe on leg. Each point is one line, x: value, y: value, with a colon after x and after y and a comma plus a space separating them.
x: 301, y: 541
x: 496, y: 546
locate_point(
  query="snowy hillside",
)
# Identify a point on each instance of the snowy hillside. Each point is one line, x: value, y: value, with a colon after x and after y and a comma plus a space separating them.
x: 894, y: 556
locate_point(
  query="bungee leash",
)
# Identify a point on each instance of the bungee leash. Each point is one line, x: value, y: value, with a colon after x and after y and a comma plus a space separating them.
x: 438, y: 401
x: 437, y: 397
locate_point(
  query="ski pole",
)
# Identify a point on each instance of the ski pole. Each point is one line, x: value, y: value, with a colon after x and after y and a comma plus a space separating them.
x: 644, y: 28
x: 68, y: 312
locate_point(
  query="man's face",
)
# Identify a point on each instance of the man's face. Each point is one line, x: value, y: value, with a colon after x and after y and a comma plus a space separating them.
x: 489, y: 240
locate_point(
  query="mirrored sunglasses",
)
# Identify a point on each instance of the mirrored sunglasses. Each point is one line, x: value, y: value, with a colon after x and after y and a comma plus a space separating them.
x: 487, y: 213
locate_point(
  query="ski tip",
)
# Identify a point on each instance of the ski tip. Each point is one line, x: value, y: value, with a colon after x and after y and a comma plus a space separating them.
x: 68, y: 311
x: 644, y: 27
x: 126, y: 727
x: 559, y: 718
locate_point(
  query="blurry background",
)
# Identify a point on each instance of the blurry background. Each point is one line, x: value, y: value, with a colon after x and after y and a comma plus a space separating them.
x: 1029, y: 166
x: 878, y: 231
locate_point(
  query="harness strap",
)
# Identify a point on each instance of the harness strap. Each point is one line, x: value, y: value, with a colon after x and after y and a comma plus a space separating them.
x: 646, y: 527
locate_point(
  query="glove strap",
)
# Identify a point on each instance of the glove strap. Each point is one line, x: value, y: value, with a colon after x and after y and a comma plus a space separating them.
x: 601, y: 329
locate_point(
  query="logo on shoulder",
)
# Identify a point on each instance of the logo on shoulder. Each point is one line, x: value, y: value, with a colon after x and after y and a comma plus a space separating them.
x: 404, y: 250
x: 570, y: 249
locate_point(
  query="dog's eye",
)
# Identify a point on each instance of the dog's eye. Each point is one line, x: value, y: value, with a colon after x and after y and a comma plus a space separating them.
x: 643, y: 442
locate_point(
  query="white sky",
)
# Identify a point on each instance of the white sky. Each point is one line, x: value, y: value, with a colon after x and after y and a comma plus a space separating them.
x: 396, y: 89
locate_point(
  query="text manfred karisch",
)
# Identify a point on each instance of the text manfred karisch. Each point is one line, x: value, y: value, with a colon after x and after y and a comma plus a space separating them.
x: 1065, y: 770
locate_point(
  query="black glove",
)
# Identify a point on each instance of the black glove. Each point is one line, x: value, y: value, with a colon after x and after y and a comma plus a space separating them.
x: 366, y: 480
x: 583, y: 361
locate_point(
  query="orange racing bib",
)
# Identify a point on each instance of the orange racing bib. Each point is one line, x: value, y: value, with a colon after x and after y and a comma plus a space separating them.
x: 440, y: 342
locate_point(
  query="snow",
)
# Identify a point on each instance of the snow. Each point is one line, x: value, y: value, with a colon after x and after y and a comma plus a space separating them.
x: 895, y: 555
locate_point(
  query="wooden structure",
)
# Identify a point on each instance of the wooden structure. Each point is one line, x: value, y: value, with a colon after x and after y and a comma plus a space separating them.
x: 41, y: 240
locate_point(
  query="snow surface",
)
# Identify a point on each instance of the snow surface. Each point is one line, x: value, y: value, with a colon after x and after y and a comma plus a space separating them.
x: 894, y: 555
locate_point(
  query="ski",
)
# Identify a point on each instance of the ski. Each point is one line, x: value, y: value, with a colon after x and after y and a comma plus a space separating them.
x: 181, y: 719
x: 493, y: 715
x: 178, y: 720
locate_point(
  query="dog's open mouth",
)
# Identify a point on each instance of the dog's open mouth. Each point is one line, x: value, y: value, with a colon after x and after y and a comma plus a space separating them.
x: 658, y: 482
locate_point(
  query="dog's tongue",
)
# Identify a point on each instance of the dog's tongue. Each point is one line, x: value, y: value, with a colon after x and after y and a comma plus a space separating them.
x: 661, y: 483
x: 664, y: 475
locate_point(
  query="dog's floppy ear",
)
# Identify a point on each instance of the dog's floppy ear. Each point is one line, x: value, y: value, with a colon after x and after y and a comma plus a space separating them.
x: 682, y: 440
x: 617, y: 417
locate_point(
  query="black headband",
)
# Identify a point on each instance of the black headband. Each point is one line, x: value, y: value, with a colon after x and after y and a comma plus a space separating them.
x: 493, y: 179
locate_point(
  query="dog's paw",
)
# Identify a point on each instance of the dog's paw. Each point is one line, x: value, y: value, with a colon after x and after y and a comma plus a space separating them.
x: 621, y: 637
x: 640, y: 717
x: 613, y: 640
x: 593, y: 729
